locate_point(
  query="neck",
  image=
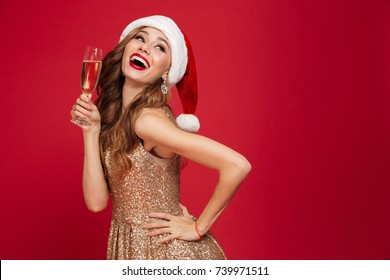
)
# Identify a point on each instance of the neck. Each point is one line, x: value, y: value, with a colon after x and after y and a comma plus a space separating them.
x: 130, y: 90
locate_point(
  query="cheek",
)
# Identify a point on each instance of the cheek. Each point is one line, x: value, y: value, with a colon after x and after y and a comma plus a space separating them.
x: 126, y: 52
x: 125, y: 56
x: 124, y: 64
x: 164, y: 62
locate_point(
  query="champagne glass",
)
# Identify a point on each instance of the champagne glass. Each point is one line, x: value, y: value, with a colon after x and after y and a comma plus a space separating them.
x: 90, y: 73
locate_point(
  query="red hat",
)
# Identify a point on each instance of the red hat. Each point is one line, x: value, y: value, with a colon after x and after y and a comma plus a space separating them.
x: 188, y: 91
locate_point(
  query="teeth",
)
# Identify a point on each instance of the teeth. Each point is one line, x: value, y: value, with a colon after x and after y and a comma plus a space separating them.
x: 144, y: 63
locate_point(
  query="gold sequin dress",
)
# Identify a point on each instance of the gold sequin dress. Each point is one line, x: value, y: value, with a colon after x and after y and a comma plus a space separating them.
x: 151, y: 185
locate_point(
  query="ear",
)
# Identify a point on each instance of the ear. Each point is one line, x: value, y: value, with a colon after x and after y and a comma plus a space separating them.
x: 165, y: 75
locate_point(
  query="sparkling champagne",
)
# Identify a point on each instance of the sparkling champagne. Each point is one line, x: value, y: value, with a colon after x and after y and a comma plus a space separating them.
x: 90, y: 73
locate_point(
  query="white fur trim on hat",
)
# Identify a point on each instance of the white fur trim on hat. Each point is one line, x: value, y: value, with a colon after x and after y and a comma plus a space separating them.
x: 175, y: 38
x: 188, y: 122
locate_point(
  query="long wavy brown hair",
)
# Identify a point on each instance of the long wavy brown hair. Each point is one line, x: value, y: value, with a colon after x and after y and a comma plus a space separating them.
x: 117, y: 123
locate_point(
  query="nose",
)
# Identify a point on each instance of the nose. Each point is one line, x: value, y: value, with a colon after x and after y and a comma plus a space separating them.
x: 145, y: 48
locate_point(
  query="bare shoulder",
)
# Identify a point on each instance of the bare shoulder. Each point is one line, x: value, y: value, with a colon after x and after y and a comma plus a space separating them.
x: 151, y: 120
x: 154, y: 126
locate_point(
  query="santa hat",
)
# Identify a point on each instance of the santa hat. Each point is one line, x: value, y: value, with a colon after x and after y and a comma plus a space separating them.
x: 182, y: 72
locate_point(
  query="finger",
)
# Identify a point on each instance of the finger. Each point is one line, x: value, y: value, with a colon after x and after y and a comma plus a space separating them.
x: 184, y: 209
x: 79, y: 109
x: 93, y: 107
x: 186, y: 213
x: 156, y: 225
x: 79, y: 116
x: 72, y: 111
x: 74, y: 121
x: 158, y: 232
x: 81, y: 122
x: 161, y: 215
x: 84, y: 109
x: 166, y: 239
x: 85, y: 97
x: 83, y: 103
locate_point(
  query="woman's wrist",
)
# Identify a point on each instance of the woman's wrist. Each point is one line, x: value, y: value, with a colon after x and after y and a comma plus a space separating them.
x: 93, y: 133
x: 197, y: 231
x: 200, y: 228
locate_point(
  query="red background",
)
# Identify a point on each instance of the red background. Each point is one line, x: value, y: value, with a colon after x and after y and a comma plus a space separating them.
x: 300, y: 88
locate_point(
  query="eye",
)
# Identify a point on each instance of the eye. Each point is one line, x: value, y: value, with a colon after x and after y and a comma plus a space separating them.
x: 160, y: 48
x: 139, y: 38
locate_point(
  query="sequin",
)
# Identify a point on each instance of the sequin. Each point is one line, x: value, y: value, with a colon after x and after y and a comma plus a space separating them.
x: 151, y: 185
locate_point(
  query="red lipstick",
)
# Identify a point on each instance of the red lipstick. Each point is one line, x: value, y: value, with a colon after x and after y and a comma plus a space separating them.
x: 139, y: 62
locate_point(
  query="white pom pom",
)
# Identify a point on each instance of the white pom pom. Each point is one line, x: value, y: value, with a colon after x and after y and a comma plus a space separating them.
x: 188, y: 122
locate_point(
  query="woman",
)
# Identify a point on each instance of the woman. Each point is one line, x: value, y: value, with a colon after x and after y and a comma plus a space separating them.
x: 133, y: 148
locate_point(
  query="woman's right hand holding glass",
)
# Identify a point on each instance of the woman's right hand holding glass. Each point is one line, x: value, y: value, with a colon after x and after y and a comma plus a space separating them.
x: 85, y: 110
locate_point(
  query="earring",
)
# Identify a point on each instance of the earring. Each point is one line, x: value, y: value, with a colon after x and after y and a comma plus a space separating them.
x: 164, y: 88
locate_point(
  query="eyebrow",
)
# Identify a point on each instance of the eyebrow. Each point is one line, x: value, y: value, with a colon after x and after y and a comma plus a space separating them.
x: 159, y: 38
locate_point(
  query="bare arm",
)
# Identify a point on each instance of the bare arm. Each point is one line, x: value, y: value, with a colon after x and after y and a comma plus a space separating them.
x: 157, y: 131
x: 95, y: 187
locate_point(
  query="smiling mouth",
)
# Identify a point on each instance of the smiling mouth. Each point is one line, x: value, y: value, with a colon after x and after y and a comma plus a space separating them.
x: 139, y: 62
